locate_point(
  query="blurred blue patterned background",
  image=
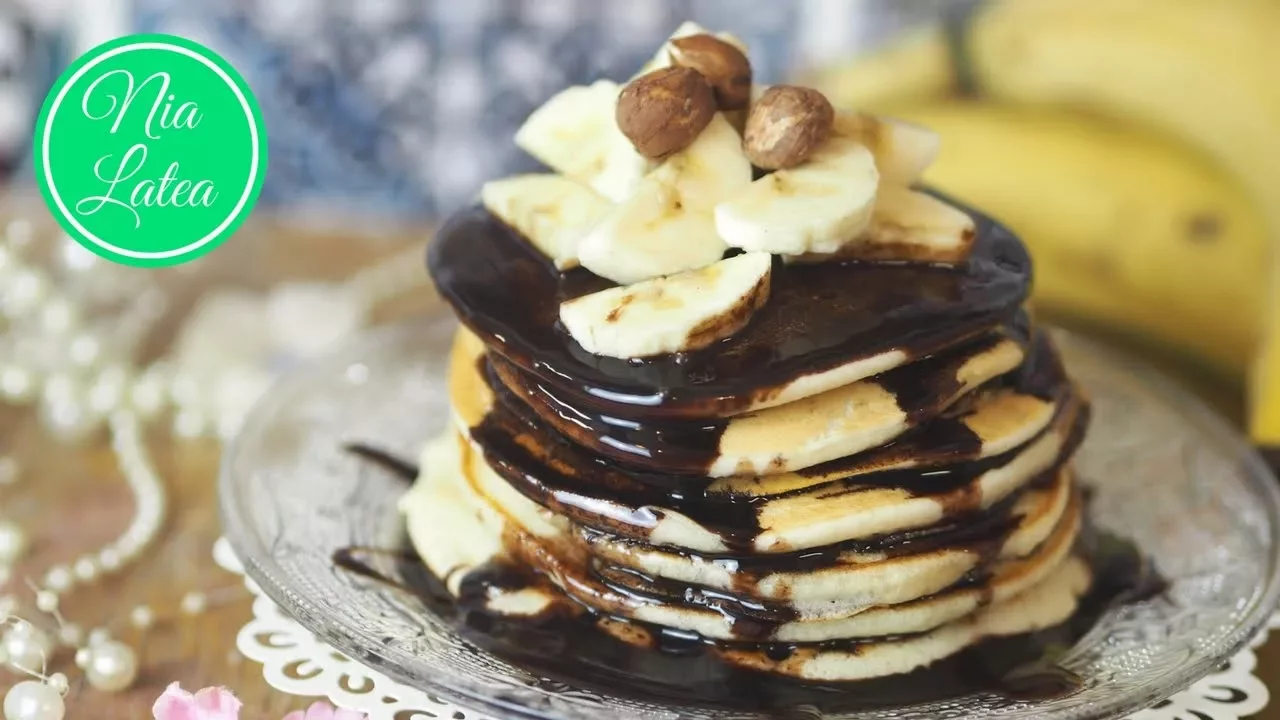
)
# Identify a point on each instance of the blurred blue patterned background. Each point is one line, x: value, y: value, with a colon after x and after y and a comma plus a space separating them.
x: 403, y: 107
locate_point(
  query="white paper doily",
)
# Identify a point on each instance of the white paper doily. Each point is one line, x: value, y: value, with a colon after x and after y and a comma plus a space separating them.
x: 295, y: 662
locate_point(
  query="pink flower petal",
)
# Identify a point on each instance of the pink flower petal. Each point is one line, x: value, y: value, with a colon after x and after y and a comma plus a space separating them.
x: 218, y: 704
x: 320, y: 711
x: 175, y: 704
x: 349, y: 715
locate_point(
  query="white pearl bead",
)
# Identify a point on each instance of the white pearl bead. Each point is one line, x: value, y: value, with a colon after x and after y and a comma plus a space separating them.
x: 110, y: 560
x: 142, y: 617
x: 31, y: 700
x: 60, y: 683
x: 27, y: 646
x: 147, y: 394
x: 99, y: 636
x: 85, y: 349
x: 13, y: 542
x: 69, y: 422
x: 23, y: 292
x: 112, y: 666
x: 18, y: 233
x: 71, y: 634
x: 17, y: 384
x: 46, y: 602
x: 189, y: 423
x: 108, y: 389
x: 82, y: 657
x: 75, y: 257
x: 194, y: 603
x: 59, y: 578
x: 86, y: 569
x: 59, y: 316
x: 184, y: 389
x: 61, y: 387
x: 9, y: 470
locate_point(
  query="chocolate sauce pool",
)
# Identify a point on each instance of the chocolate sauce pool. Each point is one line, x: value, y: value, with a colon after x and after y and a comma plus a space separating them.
x: 818, y: 317
x: 568, y: 647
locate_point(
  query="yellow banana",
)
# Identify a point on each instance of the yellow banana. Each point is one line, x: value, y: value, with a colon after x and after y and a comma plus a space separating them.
x: 1127, y: 228
x: 916, y: 68
x: 1201, y: 71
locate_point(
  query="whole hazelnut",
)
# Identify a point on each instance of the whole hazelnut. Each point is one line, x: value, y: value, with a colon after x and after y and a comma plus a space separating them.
x: 786, y: 125
x: 663, y: 112
x: 723, y: 65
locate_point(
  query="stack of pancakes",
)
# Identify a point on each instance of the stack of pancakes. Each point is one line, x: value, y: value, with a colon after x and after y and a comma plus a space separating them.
x: 873, y: 475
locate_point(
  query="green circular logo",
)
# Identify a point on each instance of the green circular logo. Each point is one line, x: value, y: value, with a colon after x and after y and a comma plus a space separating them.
x: 150, y: 150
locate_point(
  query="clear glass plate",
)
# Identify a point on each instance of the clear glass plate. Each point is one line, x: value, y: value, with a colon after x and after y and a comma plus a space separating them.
x: 1167, y: 472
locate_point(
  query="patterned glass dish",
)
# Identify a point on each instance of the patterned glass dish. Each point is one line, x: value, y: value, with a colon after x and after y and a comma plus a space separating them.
x: 1166, y: 472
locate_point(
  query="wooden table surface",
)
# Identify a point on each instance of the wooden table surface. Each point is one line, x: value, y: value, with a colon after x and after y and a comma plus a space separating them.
x: 72, y: 500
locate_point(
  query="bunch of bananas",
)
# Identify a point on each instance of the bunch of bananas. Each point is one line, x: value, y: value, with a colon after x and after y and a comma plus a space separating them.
x: 1134, y: 144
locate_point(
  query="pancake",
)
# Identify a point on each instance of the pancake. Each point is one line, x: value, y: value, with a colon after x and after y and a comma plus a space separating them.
x: 876, y: 493
x: 1043, y: 605
x: 813, y: 433
x: 841, y: 580
x: 825, y: 326
x: 885, y: 636
x: 785, y: 438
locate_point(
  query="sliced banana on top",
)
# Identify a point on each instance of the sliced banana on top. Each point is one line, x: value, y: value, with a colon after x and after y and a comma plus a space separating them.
x: 576, y: 134
x: 902, y: 150
x: 551, y: 211
x: 662, y: 58
x: 671, y: 314
x: 923, y: 227
x: 666, y: 226
x: 815, y: 207
x: 908, y: 226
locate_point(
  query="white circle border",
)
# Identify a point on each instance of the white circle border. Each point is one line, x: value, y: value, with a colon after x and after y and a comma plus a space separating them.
x: 253, y: 166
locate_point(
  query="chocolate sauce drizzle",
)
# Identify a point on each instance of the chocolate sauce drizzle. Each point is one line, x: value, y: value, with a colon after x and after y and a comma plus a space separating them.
x: 567, y: 646
x: 818, y: 317
x: 596, y: 492
x: 613, y: 444
x: 688, y: 447
x: 392, y: 463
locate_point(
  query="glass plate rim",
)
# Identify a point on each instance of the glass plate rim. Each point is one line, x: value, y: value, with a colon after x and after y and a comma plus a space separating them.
x: 362, y: 645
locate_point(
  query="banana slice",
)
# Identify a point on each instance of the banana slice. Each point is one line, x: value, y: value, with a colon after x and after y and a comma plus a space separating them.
x: 815, y: 207
x: 924, y: 227
x: 671, y: 314
x: 551, y: 211
x: 907, y: 226
x: 666, y: 226
x: 902, y: 150
x: 576, y: 134
x: 662, y: 58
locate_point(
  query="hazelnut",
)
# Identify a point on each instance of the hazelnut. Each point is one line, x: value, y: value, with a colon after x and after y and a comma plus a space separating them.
x: 662, y: 112
x: 722, y: 64
x: 786, y: 125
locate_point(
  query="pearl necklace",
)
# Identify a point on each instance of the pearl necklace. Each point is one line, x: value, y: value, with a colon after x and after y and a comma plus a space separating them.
x: 71, y: 409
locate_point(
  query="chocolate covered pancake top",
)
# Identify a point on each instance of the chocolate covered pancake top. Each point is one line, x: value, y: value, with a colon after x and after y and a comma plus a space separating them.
x: 824, y: 325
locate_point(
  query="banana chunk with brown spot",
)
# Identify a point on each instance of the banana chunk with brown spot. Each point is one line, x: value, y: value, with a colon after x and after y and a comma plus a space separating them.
x: 910, y: 226
x: 575, y: 133
x: 815, y: 207
x: 671, y: 314
x: 552, y: 212
x: 902, y: 150
x: 666, y: 226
